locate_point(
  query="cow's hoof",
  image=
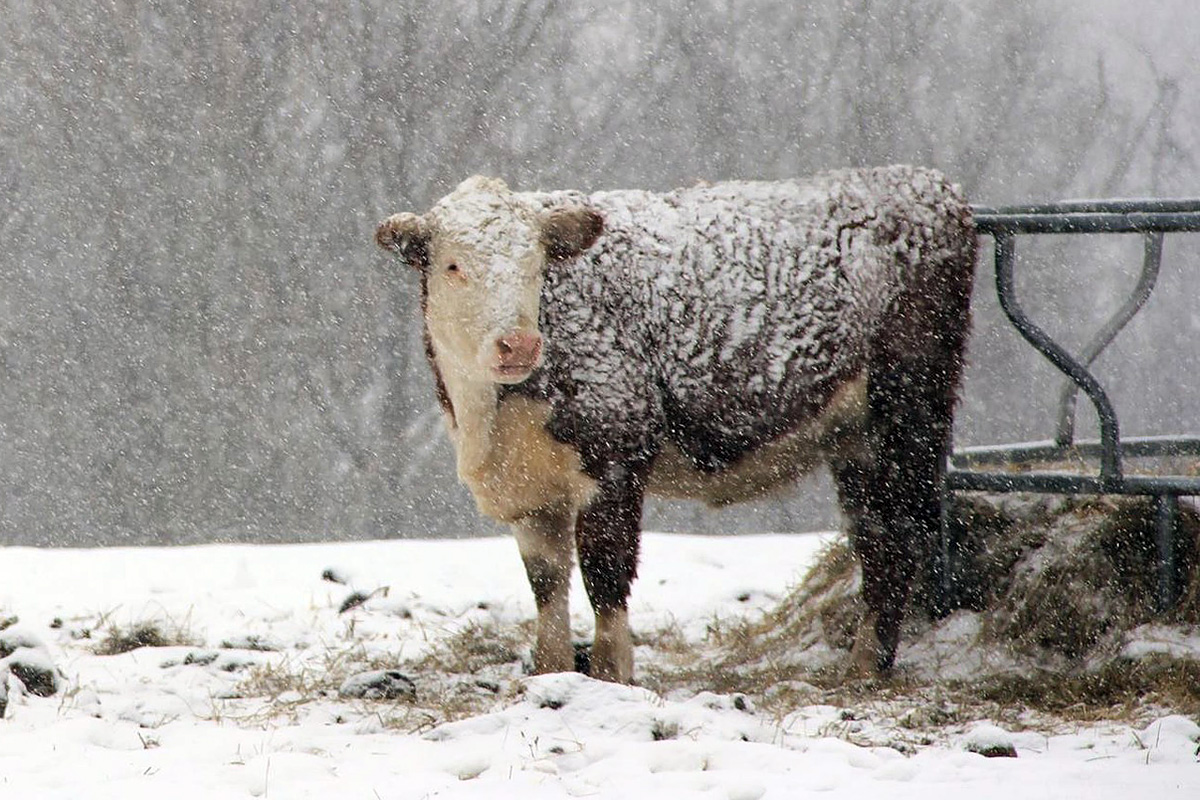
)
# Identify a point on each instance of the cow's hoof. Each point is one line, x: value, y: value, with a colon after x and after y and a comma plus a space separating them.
x: 868, y: 661
x: 583, y: 658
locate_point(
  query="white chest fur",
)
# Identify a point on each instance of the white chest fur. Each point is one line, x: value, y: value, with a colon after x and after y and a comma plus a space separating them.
x: 512, y: 465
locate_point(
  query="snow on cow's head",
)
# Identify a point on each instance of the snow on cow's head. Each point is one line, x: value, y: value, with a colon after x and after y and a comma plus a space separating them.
x: 483, y: 252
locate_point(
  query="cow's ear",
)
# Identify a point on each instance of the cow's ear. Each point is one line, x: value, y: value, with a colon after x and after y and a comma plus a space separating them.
x: 406, y: 235
x: 567, y: 232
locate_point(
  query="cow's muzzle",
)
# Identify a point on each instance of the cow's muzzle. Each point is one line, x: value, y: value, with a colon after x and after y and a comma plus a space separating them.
x: 517, y: 354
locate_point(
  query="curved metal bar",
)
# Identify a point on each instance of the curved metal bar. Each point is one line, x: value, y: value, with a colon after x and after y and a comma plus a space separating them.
x: 1110, y: 459
x: 1152, y: 218
x: 1151, y: 261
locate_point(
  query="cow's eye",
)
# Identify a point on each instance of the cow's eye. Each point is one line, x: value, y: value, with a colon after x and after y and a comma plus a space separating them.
x: 452, y: 267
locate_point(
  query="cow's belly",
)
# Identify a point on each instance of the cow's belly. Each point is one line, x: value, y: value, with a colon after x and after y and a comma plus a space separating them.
x: 765, y: 469
x: 526, y: 470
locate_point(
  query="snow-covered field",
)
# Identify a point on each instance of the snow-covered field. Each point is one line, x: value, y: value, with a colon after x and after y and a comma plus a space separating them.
x: 239, y: 704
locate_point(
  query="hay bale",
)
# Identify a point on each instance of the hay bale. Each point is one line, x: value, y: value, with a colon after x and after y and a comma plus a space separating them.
x: 1072, y: 579
x: 1049, y: 588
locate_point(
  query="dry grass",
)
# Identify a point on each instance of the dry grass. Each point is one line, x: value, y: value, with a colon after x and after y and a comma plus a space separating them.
x: 1097, y: 580
x: 1055, y: 584
x: 292, y: 682
x: 1120, y: 689
x: 477, y: 647
x: 149, y: 633
x: 465, y: 674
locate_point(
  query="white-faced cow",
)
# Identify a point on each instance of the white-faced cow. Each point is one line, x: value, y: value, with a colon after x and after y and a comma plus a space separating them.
x: 712, y: 343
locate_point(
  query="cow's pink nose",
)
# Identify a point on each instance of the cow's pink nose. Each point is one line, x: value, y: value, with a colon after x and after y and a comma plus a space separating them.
x: 519, y: 349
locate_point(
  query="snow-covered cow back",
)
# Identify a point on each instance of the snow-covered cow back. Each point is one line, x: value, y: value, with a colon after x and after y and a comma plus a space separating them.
x: 711, y: 342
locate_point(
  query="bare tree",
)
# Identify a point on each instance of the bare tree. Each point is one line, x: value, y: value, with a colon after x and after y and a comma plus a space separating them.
x: 196, y: 336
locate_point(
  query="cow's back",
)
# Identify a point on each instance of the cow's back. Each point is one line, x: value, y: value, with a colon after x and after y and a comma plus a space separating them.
x: 726, y: 315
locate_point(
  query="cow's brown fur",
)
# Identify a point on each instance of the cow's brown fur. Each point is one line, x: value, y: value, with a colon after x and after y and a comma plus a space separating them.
x: 775, y: 465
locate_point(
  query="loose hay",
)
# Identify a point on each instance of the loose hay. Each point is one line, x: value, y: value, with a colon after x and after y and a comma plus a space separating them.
x: 1055, y: 594
x: 466, y: 673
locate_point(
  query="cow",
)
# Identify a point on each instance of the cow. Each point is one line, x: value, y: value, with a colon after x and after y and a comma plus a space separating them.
x: 713, y: 343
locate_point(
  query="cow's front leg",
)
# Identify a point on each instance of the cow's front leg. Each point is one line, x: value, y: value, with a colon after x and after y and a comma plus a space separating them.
x: 607, y: 533
x: 547, y: 549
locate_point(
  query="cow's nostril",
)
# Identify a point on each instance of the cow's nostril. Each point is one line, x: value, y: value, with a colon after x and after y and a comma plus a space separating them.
x: 518, y: 349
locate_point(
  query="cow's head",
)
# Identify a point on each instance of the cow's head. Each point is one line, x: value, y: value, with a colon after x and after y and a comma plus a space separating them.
x: 483, y: 252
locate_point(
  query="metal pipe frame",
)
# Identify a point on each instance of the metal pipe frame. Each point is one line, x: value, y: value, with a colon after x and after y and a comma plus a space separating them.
x: 1152, y: 218
x: 1151, y: 262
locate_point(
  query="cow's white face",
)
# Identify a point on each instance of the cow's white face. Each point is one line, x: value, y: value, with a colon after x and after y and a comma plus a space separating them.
x: 483, y: 253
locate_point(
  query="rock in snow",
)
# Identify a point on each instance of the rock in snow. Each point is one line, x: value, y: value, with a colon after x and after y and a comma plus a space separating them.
x: 386, y: 684
x: 990, y: 741
x: 28, y: 660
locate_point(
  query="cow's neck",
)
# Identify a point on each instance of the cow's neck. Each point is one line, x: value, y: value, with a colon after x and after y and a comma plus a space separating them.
x: 471, y: 427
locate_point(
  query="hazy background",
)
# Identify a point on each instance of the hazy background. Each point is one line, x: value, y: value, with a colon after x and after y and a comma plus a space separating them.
x: 199, y: 340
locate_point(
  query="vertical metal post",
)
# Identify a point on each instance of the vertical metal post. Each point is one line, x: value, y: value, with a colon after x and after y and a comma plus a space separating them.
x: 943, y: 578
x: 1166, y: 517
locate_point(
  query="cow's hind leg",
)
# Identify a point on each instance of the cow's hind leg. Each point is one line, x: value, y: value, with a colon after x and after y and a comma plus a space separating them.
x: 911, y: 409
x: 547, y: 548
x: 608, y: 534
x: 889, y: 486
x: 853, y: 474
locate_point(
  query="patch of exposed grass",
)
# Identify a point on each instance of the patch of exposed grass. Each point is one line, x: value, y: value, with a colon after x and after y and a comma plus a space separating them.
x: 286, y: 688
x: 151, y: 633
x: 1121, y: 688
x: 476, y: 647
x: 471, y: 671
x: 292, y: 682
x: 465, y: 674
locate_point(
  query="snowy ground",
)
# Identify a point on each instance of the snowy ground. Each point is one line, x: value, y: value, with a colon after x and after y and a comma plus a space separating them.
x: 243, y: 706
